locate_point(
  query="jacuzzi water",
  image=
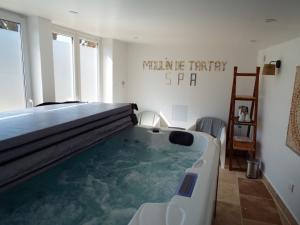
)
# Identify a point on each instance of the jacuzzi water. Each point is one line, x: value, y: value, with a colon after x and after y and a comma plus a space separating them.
x: 104, y: 185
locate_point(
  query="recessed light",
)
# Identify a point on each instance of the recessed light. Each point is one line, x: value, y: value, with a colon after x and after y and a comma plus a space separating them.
x: 73, y: 12
x: 271, y: 20
x: 136, y: 37
x: 253, y: 41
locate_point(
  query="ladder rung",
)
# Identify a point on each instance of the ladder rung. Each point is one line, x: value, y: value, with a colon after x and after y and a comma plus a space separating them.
x: 245, y: 98
x: 246, y: 74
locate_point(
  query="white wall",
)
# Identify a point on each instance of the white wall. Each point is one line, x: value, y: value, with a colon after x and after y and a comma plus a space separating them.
x: 107, y: 71
x: 280, y: 164
x: 210, y: 97
x: 120, y: 70
x: 45, y: 27
x: 41, y: 59
x: 35, y: 62
x: 114, y: 80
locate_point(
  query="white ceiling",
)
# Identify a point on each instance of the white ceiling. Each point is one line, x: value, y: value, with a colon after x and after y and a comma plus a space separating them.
x: 173, y: 21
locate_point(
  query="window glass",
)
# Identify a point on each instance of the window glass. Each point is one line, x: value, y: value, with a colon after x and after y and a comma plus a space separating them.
x: 63, y: 67
x: 12, y: 89
x: 89, y: 70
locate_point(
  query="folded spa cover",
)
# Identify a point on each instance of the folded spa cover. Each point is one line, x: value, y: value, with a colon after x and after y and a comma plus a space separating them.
x: 35, y: 139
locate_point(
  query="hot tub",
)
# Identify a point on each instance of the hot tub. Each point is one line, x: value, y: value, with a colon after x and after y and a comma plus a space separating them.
x: 134, y: 177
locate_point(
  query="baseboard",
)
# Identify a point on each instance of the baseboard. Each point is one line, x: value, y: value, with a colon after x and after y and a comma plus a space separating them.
x: 280, y: 202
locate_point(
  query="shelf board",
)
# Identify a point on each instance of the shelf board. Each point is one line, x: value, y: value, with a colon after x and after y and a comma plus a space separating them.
x: 246, y: 74
x: 244, y: 98
x: 250, y: 123
x: 243, y: 144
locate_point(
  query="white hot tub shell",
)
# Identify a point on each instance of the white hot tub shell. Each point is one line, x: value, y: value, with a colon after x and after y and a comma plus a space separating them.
x: 199, y: 208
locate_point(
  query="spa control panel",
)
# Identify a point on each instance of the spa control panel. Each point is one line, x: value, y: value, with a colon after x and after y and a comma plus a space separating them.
x: 187, y: 185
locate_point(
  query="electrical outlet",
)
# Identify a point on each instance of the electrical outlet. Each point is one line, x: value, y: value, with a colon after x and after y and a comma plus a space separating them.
x: 291, y: 187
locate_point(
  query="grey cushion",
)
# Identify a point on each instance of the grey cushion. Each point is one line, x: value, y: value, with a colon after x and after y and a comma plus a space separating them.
x: 210, y: 125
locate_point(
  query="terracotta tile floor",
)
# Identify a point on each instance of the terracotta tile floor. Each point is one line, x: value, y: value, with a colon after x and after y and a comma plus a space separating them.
x: 243, y: 201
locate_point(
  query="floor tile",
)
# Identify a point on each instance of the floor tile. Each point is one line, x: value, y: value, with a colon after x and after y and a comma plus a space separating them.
x: 228, y: 193
x: 283, y: 218
x: 254, y: 188
x: 253, y: 222
x: 262, y: 210
x: 226, y: 176
x: 236, y: 159
x: 228, y: 214
x: 241, y: 174
x: 239, y: 163
x: 244, y: 201
x: 286, y: 216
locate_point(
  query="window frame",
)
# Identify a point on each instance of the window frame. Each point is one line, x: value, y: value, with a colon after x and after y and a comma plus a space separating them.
x: 76, y: 35
x: 17, y: 18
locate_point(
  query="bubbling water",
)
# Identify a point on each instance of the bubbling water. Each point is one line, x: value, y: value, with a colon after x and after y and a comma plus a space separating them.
x: 104, y: 185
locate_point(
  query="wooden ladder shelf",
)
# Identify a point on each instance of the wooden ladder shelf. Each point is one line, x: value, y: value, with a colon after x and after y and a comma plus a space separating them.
x: 246, y: 143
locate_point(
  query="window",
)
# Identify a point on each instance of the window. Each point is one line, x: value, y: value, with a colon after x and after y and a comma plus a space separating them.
x: 89, y: 84
x: 76, y: 65
x: 63, y: 67
x: 12, y: 85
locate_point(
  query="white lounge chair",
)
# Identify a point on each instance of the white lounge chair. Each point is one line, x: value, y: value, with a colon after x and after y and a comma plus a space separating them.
x: 149, y: 118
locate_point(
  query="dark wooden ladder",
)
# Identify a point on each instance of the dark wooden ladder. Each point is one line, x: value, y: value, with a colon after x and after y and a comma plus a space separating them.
x: 247, y: 143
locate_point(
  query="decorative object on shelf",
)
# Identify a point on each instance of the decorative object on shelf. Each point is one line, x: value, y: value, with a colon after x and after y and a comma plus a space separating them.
x: 293, y: 134
x: 270, y: 69
x: 243, y: 114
